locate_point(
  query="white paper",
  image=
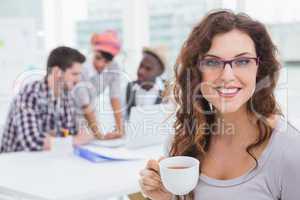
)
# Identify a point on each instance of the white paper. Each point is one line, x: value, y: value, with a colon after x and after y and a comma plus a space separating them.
x: 113, y: 153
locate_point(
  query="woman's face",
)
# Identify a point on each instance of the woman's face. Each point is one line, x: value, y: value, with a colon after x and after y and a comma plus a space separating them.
x: 229, y: 87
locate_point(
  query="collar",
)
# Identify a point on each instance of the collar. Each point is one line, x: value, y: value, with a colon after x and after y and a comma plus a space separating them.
x: 92, y: 71
x: 49, y: 93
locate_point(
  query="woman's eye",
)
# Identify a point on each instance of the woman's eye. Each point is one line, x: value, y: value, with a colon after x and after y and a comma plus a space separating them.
x: 212, y: 63
x: 244, y: 61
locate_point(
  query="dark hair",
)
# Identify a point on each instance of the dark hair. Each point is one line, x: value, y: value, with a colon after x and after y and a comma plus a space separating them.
x: 63, y: 57
x: 107, y: 56
x: 190, y: 139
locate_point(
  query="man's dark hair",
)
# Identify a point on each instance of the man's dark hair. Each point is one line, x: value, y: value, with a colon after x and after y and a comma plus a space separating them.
x: 64, y: 57
x: 107, y: 56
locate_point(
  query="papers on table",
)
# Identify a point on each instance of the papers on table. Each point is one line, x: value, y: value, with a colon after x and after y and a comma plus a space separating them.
x: 110, y: 143
x: 97, y: 153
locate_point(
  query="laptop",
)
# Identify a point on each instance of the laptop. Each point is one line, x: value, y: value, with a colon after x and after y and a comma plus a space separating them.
x: 147, y: 125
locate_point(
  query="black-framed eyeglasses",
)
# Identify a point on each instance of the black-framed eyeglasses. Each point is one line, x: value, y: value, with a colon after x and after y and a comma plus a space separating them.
x: 214, y: 64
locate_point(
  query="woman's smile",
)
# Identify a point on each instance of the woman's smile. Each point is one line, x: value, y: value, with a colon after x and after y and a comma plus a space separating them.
x: 228, y: 92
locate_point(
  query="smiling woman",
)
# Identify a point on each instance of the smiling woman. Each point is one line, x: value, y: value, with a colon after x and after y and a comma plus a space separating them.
x: 226, y: 75
x: 228, y: 84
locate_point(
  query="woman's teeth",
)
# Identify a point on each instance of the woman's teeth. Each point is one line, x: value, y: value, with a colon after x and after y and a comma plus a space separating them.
x: 228, y: 91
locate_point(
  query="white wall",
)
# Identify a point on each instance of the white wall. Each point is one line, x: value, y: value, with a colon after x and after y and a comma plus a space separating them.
x: 136, y: 33
x: 59, y: 21
x: 18, y: 56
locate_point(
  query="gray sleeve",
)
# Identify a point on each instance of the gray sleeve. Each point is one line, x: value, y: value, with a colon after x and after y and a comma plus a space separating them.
x: 83, y: 94
x: 290, y: 175
x: 115, y: 82
x: 123, y: 100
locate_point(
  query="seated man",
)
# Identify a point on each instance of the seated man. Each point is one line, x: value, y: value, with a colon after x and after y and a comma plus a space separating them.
x: 149, y: 88
x: 43, y: 108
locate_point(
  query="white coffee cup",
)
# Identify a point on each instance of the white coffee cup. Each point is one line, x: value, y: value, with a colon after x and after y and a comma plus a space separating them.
x: 179, y: 174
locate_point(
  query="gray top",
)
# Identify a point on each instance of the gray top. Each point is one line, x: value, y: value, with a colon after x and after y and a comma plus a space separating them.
x: 94, y: 83
x: 277, y: 176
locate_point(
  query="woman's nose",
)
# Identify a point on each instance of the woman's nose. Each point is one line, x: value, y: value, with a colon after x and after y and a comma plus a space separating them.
x: 227, y: 73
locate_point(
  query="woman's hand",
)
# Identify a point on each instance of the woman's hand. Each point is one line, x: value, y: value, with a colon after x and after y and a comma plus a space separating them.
x: 151, y: 184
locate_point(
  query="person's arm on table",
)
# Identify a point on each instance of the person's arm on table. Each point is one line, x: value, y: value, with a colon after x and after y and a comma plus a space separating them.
x: 31, y: 137
x: 116, y: 106
x: 83, y: 96
x: 90, y: 116
x: 91, y: 119
x: 114, y: 92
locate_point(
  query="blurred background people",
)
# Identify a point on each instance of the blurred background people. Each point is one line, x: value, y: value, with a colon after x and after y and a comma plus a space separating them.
x: 44, y: 108
x: 149, y: 88
x: 99, y: 73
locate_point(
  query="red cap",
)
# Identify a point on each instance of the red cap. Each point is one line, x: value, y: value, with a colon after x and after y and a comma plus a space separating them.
x: 107, y: 41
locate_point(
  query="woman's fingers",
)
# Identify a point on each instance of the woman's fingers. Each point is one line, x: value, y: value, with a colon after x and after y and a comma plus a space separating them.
x: 150, y: 178
x: 150, y: 173
x: 153, y: 165
x: 146, y: 190
x: 149, y: 184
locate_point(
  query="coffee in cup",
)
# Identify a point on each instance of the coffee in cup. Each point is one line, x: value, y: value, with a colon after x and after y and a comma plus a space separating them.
x: 179, y: 174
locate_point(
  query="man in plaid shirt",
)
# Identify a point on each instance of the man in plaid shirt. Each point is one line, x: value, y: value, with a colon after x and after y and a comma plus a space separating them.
x: 43, y: 109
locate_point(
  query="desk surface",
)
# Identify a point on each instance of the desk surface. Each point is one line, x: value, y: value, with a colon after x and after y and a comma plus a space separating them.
x: 49, y: 176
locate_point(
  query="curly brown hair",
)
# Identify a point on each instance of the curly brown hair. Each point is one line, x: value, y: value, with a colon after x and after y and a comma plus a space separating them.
x: 189, y: 139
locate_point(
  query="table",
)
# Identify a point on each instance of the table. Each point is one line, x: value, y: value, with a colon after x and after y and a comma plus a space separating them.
x: 52, y: 176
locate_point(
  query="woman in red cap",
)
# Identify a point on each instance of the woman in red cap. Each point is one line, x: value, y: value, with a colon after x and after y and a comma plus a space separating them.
x: 103, y: 72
